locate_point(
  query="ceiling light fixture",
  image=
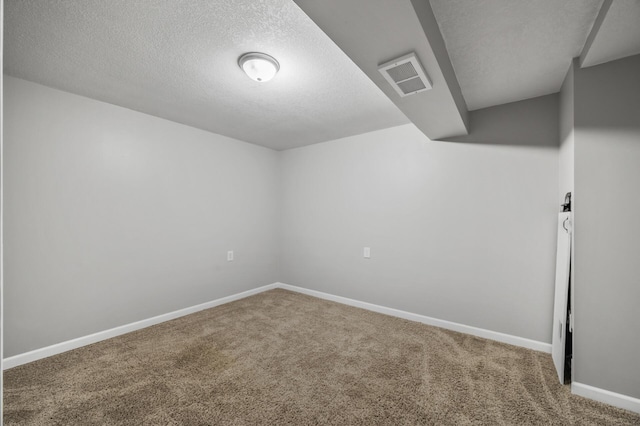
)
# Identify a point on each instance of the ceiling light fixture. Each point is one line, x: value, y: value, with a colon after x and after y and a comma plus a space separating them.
x: 259, y: 66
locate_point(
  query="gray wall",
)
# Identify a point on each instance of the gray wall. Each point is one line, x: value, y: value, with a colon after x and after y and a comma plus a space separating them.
x: 607, y: 226
x: 463, y: 232
x: 1, y: 208
x: 114, y: 216
x: 567, y: 137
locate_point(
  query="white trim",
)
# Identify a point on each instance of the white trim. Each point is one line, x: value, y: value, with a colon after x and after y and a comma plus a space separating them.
x: 602, y: 395
x: 616, y: 399
x: 37, y: 354
x: 480, y: 332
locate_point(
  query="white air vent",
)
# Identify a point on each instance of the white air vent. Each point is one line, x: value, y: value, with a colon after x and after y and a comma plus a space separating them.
x: 406, y: 75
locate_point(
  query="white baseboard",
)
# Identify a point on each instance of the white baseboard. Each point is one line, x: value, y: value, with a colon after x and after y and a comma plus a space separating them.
x: 608, y: 397
x: 37, y: 354
x: 480, y: 332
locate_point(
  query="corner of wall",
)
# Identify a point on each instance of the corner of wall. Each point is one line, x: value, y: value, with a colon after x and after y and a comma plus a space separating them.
x: 566, y: 134
x: 280, y: 223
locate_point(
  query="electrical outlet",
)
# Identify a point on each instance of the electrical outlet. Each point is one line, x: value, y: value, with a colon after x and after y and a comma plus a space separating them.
x: 367, y: 253
x: 230, y: 256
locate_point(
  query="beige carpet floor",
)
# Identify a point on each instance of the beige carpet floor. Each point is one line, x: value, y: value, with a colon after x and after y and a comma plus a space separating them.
x: 284, y: 358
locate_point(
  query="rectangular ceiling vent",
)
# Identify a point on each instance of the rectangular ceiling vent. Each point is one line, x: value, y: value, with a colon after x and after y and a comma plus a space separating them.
x: 406, y: 75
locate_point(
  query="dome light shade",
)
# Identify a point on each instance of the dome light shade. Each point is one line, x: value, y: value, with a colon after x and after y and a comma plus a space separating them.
x: 259, y: 66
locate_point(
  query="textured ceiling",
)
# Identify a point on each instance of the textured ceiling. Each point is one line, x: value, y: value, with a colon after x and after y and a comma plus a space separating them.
x: 505, y: 51
x: 178, y: 60
x: 373, y: 32
x: 619, y: 34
